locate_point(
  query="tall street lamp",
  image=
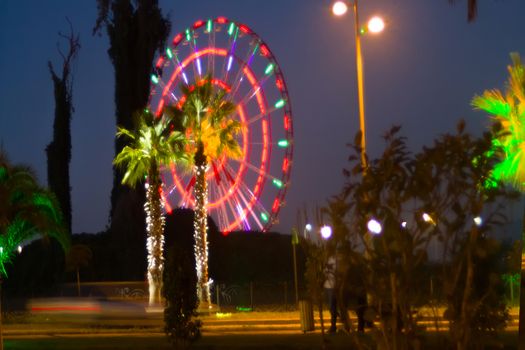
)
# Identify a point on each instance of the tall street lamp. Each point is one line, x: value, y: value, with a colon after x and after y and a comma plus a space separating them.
x: 375, y: 25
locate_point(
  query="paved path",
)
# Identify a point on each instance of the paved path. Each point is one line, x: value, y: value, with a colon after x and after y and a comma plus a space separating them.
x: 254, y: 323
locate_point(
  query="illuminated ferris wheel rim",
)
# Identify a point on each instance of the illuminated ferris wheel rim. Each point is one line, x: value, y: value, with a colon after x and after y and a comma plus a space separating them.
x: 258, y: 86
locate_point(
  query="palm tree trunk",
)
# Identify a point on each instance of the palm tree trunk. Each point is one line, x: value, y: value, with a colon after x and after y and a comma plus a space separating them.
x: 155, y: 242
x: 522, y: 286
x: 1, y: 327
x: 201, y: 234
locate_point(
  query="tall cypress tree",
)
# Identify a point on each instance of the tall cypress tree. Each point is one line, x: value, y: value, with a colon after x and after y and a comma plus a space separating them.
x: 136, y: 30
x: 59, y: 150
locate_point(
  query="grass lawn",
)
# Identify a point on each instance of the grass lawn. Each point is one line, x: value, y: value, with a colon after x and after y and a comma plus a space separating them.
x: 225, y: 341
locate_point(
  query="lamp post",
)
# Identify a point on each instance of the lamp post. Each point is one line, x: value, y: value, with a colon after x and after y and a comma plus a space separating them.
x: 375, y: 25
x: 295, y: 242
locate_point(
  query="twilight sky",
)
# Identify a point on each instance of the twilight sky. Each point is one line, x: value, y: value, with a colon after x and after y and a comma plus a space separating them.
x: 421, y: 73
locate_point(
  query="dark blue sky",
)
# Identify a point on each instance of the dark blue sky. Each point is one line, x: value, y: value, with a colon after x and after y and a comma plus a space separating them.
x: 421, y: 73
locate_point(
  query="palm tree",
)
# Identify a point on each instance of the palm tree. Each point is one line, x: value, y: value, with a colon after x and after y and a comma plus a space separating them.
x: 206, y: 118
x: 26, y: 210
x: 509, y: 111
x: 152, y: 145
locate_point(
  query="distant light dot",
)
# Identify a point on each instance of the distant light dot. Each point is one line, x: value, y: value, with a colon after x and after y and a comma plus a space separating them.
x: 404, y: 224
x: 308, y: 227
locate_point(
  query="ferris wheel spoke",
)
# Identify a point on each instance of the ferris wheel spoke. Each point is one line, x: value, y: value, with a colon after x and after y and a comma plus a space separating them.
x: 257, y: 117
x: 244, y: 65
x: 233, y: 33
x: 235, y: 207
x: 248, y: 203
x: 257, y: 170
x: 196, y: 63
x: 253, y: 91
x: 210, y: 28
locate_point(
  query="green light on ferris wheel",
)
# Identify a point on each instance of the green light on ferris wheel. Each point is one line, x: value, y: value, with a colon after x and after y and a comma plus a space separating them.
x: 269, y: 69
x: 283, y: 143
x: 280, y: 103
x: 188, y: 34
x: 209, y: 26
x: 277, y: 183
x: 154, y: 79
x: 231, y: 28
x: 264, y: 217
x: 169, y: 53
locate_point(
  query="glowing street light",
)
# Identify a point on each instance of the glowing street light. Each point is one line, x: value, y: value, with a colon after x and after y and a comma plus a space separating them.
x: 374, y: 226
x: 326, y: 232
x: 307, y: 229
x: 339, y: 8
x: 478, y: 221
x: 375, y: 25
x: 428, y: 218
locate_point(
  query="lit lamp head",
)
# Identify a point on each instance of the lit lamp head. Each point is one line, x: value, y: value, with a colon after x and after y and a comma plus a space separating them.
x: 326, y: 232
x: 376, y: 25
x: 374, y: 226
x: 308, y: 227
x: 339, y: 8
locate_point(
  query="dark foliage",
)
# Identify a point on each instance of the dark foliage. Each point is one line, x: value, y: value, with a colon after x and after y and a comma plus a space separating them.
x: 180, y: 292
x: 239, y: 257
x: 37, y: 271
x: 136, y: 30
x: 59, y: 150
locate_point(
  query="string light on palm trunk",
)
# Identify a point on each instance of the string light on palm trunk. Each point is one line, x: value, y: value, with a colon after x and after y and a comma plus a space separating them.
x: 200, y: 229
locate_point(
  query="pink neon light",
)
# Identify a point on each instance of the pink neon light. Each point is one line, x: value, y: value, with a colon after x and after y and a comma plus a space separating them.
x: 160, y: 61
x: 177, y: 39
x: 167, y: 206
x: 286, y: 122
x: 160, y: 108
x: 286, y: 164
x: 264, y: 50
x: 188, y: 60
x: 222, y: 20
x: 279, y: 84
x: 244, y: 28
x: 198, y: 24
x: 186, y: 195
x: 275, y: 205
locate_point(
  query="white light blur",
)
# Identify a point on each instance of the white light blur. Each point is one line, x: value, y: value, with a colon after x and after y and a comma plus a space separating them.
x: 326, y: 232
x: 19, y: 249
x: 404, y: 224
x: 339, y: 8
x: 427, y: 218
x: 374, y: 226
x: 230, y: 61
x: 478, y: 221
x: 376, y: 25
x: 308, y: 227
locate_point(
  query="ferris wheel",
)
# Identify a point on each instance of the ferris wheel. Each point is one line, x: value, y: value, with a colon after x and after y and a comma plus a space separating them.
x: 245, y: 193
